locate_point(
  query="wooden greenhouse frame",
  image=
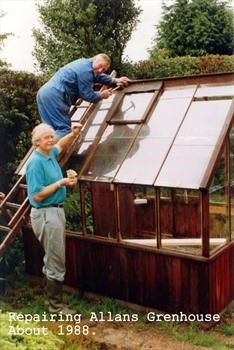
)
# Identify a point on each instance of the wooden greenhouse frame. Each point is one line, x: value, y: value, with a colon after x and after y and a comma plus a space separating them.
x: 156, y: 197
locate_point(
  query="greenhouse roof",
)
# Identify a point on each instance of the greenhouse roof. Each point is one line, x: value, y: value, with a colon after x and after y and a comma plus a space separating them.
x: 159, y: 134
x: 163, y: 133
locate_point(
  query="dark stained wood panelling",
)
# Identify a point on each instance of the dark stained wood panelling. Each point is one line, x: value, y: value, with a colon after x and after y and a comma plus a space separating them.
x: 145, y: 219
x: 166, y: 216
x: 166, y: 282
x: 104, y: 210
x: 187, y: 218
x: 127, y: 211
x: 221, y: 275
x: 75, y: 260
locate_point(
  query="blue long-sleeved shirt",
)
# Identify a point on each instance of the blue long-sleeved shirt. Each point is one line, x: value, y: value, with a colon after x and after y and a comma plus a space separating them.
x: 70, y: 82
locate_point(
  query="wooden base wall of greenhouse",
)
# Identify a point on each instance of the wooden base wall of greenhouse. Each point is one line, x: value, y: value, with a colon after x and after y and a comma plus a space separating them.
x: 150, y: 277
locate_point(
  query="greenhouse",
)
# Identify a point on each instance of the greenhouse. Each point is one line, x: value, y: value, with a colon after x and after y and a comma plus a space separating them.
x: 155, y: 216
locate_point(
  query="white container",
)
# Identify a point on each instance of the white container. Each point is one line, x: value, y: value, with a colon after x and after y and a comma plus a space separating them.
x: 138, y: 201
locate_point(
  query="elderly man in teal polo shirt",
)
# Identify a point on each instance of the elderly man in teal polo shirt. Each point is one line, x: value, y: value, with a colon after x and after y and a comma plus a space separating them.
x: 70, y: 82
x: 47, y: 192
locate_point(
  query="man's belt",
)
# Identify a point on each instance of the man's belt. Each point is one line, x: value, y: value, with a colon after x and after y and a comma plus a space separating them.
x: 60, y: 205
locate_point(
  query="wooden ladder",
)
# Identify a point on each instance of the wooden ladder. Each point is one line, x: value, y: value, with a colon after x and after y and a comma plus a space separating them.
x: 15, y: 207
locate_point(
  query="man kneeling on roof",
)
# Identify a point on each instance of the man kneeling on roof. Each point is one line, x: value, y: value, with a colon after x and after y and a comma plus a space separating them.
x: 74, y: 80
x: 47, y: 192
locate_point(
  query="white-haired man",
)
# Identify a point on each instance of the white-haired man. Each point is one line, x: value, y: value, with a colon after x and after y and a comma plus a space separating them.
x: 71, y: 82
x: 47, y: 192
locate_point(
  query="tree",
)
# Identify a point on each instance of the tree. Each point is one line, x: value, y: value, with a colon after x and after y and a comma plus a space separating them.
x: 3, y: 37
x: 72, y: 29
x: 18, y: 116
x: 195, y: 28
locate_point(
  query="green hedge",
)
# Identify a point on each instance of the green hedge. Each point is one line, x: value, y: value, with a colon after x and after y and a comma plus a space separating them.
x: 181, y: 66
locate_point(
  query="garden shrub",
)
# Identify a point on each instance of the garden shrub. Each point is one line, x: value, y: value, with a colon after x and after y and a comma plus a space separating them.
x: 162, y: 66
x: 18, y: 116
x: 24, y: 341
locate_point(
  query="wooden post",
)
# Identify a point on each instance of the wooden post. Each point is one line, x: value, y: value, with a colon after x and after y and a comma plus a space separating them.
x: 119, y: 236
x: 83, y: 211
x: 205, y: 223
x: 157, y: 218
x: 113, y: 188
x: 227, y: 154
x: 173, y: 208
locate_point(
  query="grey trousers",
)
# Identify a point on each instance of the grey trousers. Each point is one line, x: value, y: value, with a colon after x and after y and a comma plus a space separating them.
x: 49, y: 225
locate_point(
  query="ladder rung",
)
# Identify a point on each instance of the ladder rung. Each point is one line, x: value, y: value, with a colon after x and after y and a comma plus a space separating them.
x: 24, y: 186
x: 12, y: 192
x: 13, y: 205
x: 13, y: 232
x: 19, y: 213
x: 7, y: 241
x: 4, y: 228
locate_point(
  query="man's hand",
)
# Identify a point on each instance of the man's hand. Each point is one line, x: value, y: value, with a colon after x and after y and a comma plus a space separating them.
x: 76, y: 127
x: 106, y: 93
x: 68, y: 181
x: 66, y: 140
x: 122, y: 80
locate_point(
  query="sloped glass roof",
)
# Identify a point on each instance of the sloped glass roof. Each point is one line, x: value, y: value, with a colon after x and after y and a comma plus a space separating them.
x: 145, y: 159
x: 172, y: 147
x: 194, y: 144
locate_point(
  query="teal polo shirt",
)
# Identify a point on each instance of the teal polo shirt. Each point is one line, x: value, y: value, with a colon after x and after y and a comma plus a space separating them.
x: 42, y: 171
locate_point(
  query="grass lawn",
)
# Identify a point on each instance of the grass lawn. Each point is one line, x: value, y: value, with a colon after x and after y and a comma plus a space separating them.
x: 100, y: 325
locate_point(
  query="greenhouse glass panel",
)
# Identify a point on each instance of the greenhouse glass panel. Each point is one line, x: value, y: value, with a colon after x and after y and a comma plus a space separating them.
x: 96, y: 120
x: 181, y: 232
x: 132, y: 107
x: 179, y: 92
x: 110, y: 152
x: 139, y: 227
x: 143, y: 160
x: 193, y: 147
x: 185, y: 165
x: 203, y: 123
x: 149, y: 150
x: 215, y: 90
x: 166, y: 118
x: 90, y: 132
x: 84, y: 148
x: 78, y: 113
x: 232, y: 180
x: 78, y: 159
x: 218, y: 207
x: 121, y: 131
